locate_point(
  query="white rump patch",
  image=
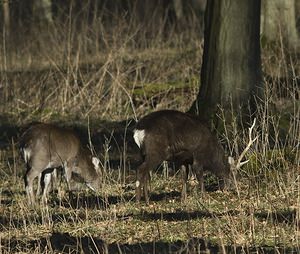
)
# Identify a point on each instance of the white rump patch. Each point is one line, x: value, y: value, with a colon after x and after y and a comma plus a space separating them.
x: 96, y: 162
x: 139, y: 136
x: 137, y: 184
x: 26, y: 154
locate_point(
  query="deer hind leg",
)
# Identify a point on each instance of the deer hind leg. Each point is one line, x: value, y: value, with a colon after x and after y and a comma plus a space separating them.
x: 47, y: 177
x: 146, y: 186
x: 54, y: 179
x: 37, y: 167
x: 143, y: 176
x: 47, y: 181
x: 30, y: 175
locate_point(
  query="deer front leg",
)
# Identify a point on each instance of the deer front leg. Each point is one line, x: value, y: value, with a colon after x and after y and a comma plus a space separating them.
x: 39, y: 189
x: 184, y: 178
x: 198, y: 169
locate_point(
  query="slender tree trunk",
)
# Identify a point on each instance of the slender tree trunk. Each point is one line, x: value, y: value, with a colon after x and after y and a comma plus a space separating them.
x: 6, y: 16
x: 231, y: 74
x: 178, y: 7
x: 42, y: 10
x: 280, y: 22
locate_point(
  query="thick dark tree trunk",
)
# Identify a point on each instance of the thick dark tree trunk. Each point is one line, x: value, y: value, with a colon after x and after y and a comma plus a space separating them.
x: 231, y: 74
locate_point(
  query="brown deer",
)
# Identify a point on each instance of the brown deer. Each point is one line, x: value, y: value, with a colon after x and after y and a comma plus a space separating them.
x: 170, y: 135
x: 46, y: 147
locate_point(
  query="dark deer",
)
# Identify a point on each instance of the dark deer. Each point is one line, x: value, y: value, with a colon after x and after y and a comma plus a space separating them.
x: 174, y: 136
x: 46, y: 147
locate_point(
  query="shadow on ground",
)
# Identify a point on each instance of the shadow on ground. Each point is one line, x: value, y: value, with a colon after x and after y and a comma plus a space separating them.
x: 65, y: 243
x: 91, y: 201
x: 97, y: 202
x: 286, y: 216
x: 6, y: 221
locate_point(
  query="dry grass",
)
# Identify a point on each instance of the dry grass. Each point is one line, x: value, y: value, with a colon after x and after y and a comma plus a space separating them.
x: 118, y: 73
x: 93, y: 70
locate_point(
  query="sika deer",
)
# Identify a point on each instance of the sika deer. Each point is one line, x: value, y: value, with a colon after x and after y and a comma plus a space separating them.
x: 170, y: 135
x: 46, y: 147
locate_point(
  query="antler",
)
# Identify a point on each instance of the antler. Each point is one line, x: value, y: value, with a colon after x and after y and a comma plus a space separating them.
x: 251, y: 141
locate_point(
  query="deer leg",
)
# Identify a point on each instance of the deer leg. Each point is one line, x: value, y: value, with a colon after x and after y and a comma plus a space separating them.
x: 54, y: 178
x: 143, y: 178
x: 31, y: 174
x: 46, y: 186
x: 146, y: 187
x: 184, y: 177
x: 39, y: 187
x: 142, y: 175
x: 68, y: 175
x: 57, y: 175
x: 198, y: 169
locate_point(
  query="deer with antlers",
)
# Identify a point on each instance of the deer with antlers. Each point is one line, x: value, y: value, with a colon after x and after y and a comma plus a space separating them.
x: 174, y: 136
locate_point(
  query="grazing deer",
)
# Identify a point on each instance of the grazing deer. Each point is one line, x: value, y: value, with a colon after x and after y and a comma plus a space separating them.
x: 46, y: 147
x: 170, y: 135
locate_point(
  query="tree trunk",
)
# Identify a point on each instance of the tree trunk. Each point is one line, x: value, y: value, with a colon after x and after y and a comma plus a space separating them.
x: 231, y: 71
x: 6, y: 16
x: 280, y: 22
x: 178, y: 7
x: 42, y: 10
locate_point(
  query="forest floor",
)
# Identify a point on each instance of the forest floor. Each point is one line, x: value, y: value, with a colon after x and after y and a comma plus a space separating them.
x: 261, y: 215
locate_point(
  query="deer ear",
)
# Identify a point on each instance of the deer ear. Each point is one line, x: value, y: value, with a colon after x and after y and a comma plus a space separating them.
x: 231, y: 160
x: 96, y: 162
